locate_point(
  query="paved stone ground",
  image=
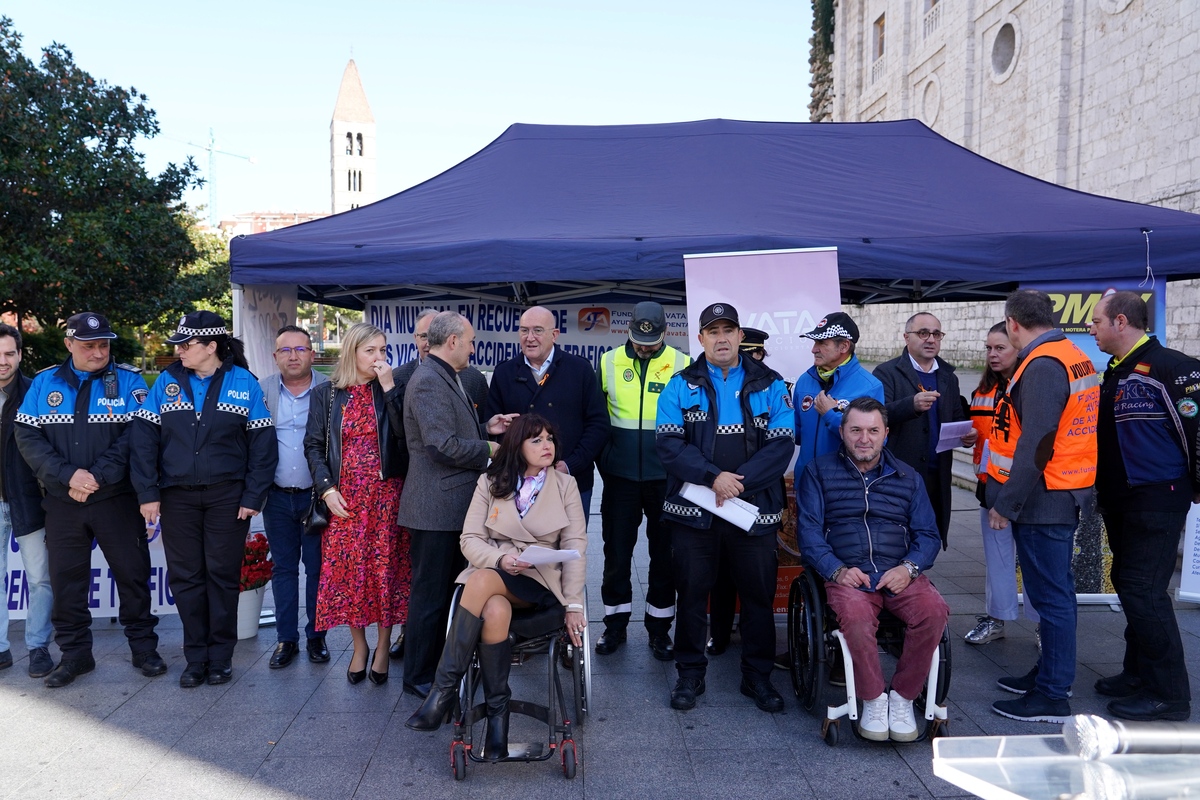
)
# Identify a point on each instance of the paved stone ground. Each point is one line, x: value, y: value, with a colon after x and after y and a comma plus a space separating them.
x: 304, y: 732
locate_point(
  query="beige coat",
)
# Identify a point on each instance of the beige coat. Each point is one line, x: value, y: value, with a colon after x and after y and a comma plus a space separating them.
x: 493, y: 528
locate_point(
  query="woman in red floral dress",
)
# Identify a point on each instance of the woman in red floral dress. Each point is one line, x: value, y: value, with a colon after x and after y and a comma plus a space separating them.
x: 350, y: 443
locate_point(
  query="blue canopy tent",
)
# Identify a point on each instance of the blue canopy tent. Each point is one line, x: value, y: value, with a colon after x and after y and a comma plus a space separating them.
x: 605, y: 213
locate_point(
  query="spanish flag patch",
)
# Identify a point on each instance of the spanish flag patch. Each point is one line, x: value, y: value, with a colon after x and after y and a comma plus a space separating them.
x: 1143, y: 368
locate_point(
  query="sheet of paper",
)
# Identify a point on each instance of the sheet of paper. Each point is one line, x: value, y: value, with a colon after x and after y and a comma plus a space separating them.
x: 536, y: 554
x: 951, y: 433
x: 735, y: 511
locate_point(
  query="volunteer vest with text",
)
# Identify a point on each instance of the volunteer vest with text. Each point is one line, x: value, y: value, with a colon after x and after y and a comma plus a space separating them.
x: 983, y: 407
x: 1073, y: 462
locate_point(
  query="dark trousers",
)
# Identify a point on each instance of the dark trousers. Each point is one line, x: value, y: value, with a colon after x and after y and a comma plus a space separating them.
x: 436, y: 562
x: 722, y: 605
x: 118, y: 527
x: 205, y: 542
x: 933, y: 490
x: 1144, y: 547
x: 283, y: 519
x: 622, y: 506
x: 752, y: 562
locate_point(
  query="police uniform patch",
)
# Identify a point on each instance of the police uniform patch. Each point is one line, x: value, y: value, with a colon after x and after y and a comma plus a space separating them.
x: 93, y: 323
x: 628, y: 376
x: 1187, y: 407
x: 172, y: 389
x: 139, y: 395
x: 54, y: 399
x: 718, y: 309
x: 1191, y: 388
x: 821, y: 324
x: 787, y: 399
x: 645, y: 326
x: 842, y: 405
x: 807, y: 402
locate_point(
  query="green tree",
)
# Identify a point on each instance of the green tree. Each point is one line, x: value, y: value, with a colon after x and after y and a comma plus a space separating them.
x: 82, y: 224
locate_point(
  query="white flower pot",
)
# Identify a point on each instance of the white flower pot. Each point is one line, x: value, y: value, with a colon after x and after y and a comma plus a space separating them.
x: 249, y: 611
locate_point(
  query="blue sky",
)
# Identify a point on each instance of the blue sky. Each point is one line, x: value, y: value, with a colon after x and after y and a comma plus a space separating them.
x: 444, y: 77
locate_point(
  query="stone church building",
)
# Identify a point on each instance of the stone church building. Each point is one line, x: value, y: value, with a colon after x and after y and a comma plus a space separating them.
x: 1097, y: 95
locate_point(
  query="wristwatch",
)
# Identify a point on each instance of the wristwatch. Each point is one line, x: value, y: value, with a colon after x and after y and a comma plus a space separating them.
x: 913, y: 570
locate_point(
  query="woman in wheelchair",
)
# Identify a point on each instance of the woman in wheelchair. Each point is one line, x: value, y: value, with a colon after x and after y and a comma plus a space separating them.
x: 523, y: 499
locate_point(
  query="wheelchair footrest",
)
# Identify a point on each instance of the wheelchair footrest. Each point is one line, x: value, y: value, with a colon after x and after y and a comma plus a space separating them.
x: 525, y: 751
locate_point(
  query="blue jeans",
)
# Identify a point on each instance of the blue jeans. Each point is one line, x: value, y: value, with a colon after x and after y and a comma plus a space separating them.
x: 38, y: 629
x: 282, y: 519
x: 1045, y: 552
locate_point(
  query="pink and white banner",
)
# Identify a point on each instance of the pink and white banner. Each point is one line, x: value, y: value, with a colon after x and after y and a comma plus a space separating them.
x: 782, y: 292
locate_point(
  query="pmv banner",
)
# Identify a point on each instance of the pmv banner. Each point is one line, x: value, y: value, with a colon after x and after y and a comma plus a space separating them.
x: 782, y: 292
x: 102, y: 591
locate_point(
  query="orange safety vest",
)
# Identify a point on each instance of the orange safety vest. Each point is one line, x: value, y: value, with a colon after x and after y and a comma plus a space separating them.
x: 1072, y: 465
x: 983, y: 406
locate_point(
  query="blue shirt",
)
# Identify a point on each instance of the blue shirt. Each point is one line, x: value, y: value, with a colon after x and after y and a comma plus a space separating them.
x: 291, y: 418
x: 199, y: 387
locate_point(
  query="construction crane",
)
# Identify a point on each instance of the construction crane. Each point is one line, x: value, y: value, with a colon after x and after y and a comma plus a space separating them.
x: 211, y: 177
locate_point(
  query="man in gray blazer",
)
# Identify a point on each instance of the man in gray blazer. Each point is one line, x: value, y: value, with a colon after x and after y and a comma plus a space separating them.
x: 448, y: 449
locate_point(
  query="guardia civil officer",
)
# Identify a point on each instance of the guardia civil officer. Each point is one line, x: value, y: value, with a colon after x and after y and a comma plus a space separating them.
x: 204, y: 455
x: 73, y: 430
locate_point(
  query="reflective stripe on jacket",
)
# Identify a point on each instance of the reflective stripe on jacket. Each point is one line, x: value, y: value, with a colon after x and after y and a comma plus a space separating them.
x: 1072, y: 465
x: 632, y: 398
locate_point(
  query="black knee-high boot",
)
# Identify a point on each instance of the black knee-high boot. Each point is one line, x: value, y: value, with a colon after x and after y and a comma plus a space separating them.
x: 456, y: 656
x: 495, y: 662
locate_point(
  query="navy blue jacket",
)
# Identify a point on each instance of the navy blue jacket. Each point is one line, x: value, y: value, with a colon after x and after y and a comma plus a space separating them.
x: 569, y: 396
x: 64, y: 425
x: 18, y: 485
x: 846, y: 521
x: 232, y: 438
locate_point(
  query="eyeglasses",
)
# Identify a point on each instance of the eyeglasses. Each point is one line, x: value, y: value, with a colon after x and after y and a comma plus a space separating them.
x: 925, y: 333
x: 287, y: 351
x: 184, y: 346
x: 534, y: 332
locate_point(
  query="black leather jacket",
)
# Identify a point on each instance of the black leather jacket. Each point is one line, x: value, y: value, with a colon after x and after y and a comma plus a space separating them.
x: 326, y: 472
x: 18, y: 485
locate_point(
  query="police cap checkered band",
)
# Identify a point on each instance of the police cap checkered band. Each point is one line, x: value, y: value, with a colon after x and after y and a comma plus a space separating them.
x: 87, y: 326
x: 198, y: 324
x: 834, y: 326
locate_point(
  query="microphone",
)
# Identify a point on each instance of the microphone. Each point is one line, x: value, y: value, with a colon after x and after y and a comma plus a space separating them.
x: 1091, y: 737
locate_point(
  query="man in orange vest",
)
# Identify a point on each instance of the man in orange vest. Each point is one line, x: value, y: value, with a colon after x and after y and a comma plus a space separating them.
x: 1041, y: 470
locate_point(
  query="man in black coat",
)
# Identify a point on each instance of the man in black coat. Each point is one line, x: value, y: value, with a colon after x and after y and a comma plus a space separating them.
x: 561, y: 387
x: 922, y: 392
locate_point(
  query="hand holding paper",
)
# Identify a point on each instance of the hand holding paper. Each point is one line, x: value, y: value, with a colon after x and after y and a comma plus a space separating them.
x: 536, y: 554
x: 951, y: 434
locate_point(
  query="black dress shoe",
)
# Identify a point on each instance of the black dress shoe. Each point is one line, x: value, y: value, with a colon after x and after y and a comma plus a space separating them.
x: 318, y: 653
x: 609, y: 641
x: 150, y: 663
x: 285, y: 653
x: 1144, y: 708
x: 421, y: 690
x: 763, y: 693
x: 193, y: 674
x: 219, y: 672
x: 397, y: 649
x: 683, y: 696
x: 713, y: 648
x: 1119, y: 685
x: 68, y: 671
x: 6, y: 659
x: 661, y: 647
x: 377, y: 678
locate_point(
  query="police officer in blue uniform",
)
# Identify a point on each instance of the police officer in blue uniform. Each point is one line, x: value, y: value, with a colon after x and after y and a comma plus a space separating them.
x: 73, y: 430
x: 204, y: 455
x: 725, y: 424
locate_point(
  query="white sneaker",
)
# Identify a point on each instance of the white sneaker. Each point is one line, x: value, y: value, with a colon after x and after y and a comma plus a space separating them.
x: 986, y: 630
x: 874, y: 722
x: 902, y: 725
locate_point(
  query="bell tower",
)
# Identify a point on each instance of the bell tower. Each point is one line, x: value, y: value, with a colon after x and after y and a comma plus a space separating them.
x: 351, y: 145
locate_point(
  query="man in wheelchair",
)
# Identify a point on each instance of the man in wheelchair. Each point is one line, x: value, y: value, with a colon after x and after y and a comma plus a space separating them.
x: 867, y: 527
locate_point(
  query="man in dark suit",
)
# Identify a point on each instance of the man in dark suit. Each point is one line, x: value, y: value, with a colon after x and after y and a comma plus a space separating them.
x: 561, y: 387
x: 448, y: 449
x: 472, y: 380
x: 922, y: 392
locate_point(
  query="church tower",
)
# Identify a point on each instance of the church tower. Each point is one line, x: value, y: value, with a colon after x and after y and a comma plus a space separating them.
x: 352, y: 145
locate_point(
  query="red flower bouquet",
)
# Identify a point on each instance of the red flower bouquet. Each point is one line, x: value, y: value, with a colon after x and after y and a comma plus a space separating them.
x: 256, y: 563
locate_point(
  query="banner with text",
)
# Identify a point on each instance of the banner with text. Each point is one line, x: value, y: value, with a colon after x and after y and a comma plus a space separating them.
x: 585, y: 330
x: 102, y: 591
x: 1075, y: 303
x: 782, y: 292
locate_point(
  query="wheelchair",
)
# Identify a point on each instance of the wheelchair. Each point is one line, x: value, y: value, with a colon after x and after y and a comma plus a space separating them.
x: 816, y: 646
x: 534, y: 633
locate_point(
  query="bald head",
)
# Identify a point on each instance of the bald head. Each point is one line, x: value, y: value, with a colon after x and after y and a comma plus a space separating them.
x: 538, y: 333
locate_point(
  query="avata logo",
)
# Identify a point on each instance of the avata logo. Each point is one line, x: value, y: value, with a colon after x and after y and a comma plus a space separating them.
x: 594, y: 320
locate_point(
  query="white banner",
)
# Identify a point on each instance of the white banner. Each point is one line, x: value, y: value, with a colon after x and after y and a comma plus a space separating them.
x: 587, y: 330
x: 782, y: 292
x: 102, y: 593
x: 258, y: 312
x: 1189, y: 578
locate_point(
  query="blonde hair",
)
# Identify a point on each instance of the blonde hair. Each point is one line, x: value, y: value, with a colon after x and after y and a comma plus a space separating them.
x: 345, y: 374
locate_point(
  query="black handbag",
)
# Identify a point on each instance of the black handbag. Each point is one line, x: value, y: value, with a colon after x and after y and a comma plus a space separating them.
x: 317, y: 518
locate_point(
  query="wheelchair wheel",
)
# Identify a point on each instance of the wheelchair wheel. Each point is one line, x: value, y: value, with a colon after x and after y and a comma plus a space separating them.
x: 458, y: 760
x: 569, y: 762
x: 806, y: 641
x: 942, y: 689
x: 831, y: 732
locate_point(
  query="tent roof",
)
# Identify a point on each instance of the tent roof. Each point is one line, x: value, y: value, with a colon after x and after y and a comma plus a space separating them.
x: 551, y: 211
